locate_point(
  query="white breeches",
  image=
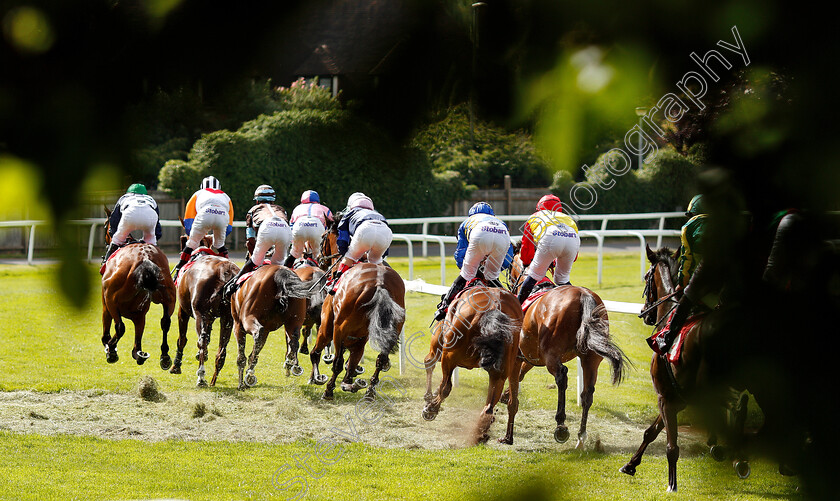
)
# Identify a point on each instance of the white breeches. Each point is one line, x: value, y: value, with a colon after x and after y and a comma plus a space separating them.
x: 373, y: 238
x: 560, y: 243
x: 307, y: 230
x: 273, y: 232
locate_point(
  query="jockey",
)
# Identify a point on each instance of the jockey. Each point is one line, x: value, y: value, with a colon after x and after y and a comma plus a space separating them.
x: 309, y: 220
x: 135, y: 210
x: 549, y: 236
x: 690, y: 273
x: 265, y: 226
x: 208, y: 209
x: 361, y: 230
x: 480, y: 236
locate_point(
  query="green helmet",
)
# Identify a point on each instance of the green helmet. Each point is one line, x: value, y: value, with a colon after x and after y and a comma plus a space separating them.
x: 137, y: 188
x: 695, y: 207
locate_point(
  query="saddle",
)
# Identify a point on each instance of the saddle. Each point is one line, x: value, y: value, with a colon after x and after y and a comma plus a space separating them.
x: 675, y: 351
x: 303, y: 262
x: 195, y: 255
x: 241, y: 280
x: 541, y: 288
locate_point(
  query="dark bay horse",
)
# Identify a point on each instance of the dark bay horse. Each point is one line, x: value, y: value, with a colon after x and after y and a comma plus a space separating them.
x: 369, y: 305
x: 273, y: 297
x: 133, y: 279
x: 686, y: 382
x: 562, y: 324
x: 481, y: 330
x: 313, y: 304
x: 200, y: 296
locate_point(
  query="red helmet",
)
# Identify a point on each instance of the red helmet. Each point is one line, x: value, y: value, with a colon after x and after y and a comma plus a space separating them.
x: 550, y: 202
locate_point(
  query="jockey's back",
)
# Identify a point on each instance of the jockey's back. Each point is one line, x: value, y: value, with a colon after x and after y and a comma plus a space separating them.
x: 317, y: 210
x: 357, y: 216
x: 135, y: 200
x: 262, y: 212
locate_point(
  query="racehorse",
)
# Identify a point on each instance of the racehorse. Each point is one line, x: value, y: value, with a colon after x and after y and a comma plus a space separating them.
x: 133, y: 279
x: 200, y: 296
x: 564, y: 323
x: 368, y: 305
x: 678, y: 384
x: 481, y: 329
x: 313, y: 304
x: 271, y: 298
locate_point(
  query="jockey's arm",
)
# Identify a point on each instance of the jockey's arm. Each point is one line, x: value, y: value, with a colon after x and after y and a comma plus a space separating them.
x: 114, y: 219
x: 508, y: 258
x: 189, y: 213
x: 230, y: 218
x: 526, y: 254
x: 463, y: 243
x: 343, y: 240
x: 158, y: 229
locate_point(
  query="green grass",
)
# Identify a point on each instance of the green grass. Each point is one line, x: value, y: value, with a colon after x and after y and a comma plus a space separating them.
x: 46, y: 346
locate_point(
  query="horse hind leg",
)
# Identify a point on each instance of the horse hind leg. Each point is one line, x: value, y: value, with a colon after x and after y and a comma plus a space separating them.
x: 165, y: 324
x: 433, y: 406
x: 225, y: 328
x: 486, y: 418
x: 182, y: 341
x: 110, y: 351
x: 350, y: 383
x: 291, y: 365
x: 203, y: 344
x: 337, y: 367
x: 137, y: 352
x: 650, y: 435
x: 260, y: 337
x: 561, y: 379
x: 589, y: 375
x: 382, y: 362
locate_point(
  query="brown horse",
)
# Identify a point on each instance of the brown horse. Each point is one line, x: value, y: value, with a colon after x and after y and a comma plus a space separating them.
x: 273, y: 297
x: 562, y: 324
x: 313, y: 304
x: 685, y: 382
x: 200, y: 296
x: 133, y: 279
x: 368, y: 305
x: 481, y: 329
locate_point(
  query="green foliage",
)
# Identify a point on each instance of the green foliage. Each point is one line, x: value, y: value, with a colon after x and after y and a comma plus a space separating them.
x: 666, y: 182
x: 306, y: 96
x: 485, y: 162
x: 332, y: 152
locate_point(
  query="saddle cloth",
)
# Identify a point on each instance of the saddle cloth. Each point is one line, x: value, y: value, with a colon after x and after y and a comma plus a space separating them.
x: 102, y: 268
x: 246, y: 276
x: 674, y: 353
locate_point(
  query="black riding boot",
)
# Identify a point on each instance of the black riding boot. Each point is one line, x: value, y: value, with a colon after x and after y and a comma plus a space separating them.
x: 230, y: 286
x: 527, y: 287
x: 222, y: 251
x: 185, y: 256
x: 443, y: 306
x: 666, y: 339
x: 495, y: 283
x: 289, y: 262
x: 110, y: 250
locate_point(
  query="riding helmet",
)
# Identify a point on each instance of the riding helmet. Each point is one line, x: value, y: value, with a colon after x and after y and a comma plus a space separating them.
x: 362, y: 202
x: 550, y: 202
x: 481, y: 208
x: 137, y: 188
x: 264, y: 193
x: 695, y: 207
x: 355, y: 196
x: 211, y: 183
x: 310, y: 197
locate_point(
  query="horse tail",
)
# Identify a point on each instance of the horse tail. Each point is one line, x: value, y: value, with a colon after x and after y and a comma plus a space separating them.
x: 594, y: 334
x: 495, y: 332
x: 316, y: 300
x: 147, y: 275
x: 289, y: 285
x: 383, y: 317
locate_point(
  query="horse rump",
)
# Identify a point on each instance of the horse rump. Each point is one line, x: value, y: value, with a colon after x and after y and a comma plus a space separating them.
x: 383, y: 317
x: 495, y: 333
x: 147, y: 275
x: 594, y: 334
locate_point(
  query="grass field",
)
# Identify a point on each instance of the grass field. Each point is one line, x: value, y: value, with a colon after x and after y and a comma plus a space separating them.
x: 73, y: 427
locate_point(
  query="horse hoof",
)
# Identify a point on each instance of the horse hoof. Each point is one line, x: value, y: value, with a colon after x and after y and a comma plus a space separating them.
x: 328, y: 358
x: 786, y: 470
x: 198, y: 356
x: 250, y: 380
x: 319, y: 379
x: 505, y: 398
x: 742, y: 469
x: 165, y: 362
x: 303, y: 350
x: 718, y: 453
x: 327, y: 396
x: 628, y: 469
x: 561, y: 434
x: 483, y: 438
x: 112, y: 357
x: 506, y: 440
x: 387, y: 366
x: 141, y: 357
x: 428, y: 415
x: 297, y: 370
x: 176, y: 369
x: 202, y: 383
x: 359, y: 369
x: 360, y: 384
x: 242, y: 387
x: 350, y: 388
x: 370, y: 395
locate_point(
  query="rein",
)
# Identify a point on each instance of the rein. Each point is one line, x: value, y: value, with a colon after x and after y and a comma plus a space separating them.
x: 657, y: 303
